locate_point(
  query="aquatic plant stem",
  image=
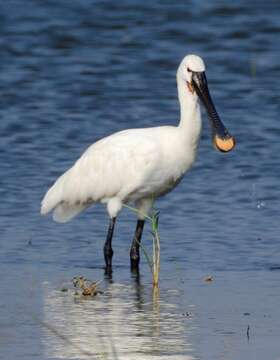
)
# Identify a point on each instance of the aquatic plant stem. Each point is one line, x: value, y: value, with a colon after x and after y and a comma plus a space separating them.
x: 156, y: 248
x: 155, y: 263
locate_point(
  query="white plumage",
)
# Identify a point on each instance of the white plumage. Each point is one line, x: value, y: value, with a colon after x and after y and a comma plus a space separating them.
x: 127, y: 166
x: 139, y: 165
x: 131, y: 165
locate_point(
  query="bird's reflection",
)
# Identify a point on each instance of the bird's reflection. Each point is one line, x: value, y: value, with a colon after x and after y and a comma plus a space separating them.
x: 126, y: 321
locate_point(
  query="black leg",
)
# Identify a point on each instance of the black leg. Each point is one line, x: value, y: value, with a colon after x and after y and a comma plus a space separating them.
x: 134, y: 250
x: 108, y: 251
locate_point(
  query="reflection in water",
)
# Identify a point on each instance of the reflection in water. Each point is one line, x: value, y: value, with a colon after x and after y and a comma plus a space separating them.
x: 127, y: 321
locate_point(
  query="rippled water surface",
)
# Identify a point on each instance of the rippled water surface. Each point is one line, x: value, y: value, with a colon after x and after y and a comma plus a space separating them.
x: 72, y: 72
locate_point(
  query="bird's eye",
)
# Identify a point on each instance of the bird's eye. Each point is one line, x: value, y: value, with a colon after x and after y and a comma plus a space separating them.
x: 188, y: 69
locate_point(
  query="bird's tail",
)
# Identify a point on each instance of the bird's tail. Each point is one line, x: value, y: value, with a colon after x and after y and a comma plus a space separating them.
x: 63, y: 210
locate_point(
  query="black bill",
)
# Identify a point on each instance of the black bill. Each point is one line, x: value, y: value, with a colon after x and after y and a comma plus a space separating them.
x: 222, y: 139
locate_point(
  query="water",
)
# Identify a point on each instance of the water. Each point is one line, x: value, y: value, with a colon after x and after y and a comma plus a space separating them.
x: 73, y: 72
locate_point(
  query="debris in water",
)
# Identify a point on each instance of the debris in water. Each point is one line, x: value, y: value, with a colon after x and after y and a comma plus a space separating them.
x: 88, y: 288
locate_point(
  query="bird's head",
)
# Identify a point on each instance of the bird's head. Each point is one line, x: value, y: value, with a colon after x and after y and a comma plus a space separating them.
x: 192, y: 72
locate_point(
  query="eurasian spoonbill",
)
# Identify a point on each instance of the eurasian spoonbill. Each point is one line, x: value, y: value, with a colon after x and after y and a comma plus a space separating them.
x: 139, y: 165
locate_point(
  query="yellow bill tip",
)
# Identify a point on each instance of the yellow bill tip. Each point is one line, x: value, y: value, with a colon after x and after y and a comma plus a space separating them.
x: 224, y: 145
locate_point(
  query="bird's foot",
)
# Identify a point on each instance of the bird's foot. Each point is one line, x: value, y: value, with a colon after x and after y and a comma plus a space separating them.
x: 108, y: 270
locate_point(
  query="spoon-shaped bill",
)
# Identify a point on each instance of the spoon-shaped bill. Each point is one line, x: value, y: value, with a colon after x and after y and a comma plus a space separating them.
x: 222, y: 139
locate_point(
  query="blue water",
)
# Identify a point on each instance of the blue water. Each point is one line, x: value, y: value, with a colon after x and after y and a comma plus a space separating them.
x: 73, y: 72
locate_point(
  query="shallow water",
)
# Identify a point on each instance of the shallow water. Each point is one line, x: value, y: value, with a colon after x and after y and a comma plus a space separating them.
x: 72, y: 72
x: 234, y: 316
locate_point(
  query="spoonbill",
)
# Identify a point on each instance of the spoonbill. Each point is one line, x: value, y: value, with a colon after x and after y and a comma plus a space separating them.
x: 139, y: 165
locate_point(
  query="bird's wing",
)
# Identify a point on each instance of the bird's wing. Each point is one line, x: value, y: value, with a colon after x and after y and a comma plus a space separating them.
x: 114, y: 166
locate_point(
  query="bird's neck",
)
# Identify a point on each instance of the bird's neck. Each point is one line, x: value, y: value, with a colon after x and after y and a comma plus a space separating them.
x: 190, y: 119
x: 189, y: 107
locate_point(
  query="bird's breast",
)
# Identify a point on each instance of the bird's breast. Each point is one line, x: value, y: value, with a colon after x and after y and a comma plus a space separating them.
x: 167, y: 173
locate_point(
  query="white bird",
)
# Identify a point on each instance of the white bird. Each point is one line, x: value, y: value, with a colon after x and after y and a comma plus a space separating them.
x: 139, y: 165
